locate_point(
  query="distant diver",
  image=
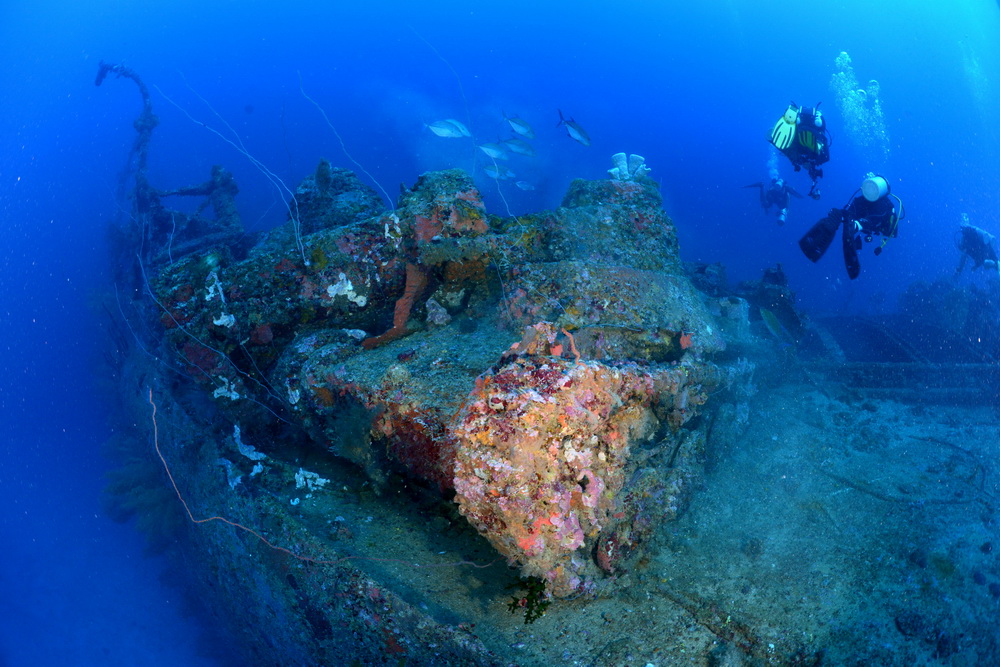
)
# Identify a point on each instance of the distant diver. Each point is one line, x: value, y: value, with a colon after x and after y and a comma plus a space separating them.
x: 801, y: 136
x: 975, y: 244
x: 876, y: 213
x: 776, y: 193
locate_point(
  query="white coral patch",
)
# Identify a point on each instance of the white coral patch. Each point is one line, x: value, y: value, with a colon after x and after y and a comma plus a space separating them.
x: 343, y: 287
x: 214, y: 286
x: 309, y: 480
x: 224, y: 320
x: 246, y: 450
x: 226, y: 390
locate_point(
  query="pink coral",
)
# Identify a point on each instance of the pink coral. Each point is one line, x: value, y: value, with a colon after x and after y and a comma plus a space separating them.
x: 543, y: 443
x: 543, y: 449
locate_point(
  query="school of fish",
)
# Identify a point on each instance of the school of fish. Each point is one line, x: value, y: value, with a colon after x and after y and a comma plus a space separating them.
x: 502, y: 149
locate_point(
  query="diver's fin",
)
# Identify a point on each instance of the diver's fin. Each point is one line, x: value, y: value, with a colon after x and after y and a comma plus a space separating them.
x: 763, y: 193
x: 818, y: 239
x: 781, y: 135
x: 850, y: 251
x: 783, y: 131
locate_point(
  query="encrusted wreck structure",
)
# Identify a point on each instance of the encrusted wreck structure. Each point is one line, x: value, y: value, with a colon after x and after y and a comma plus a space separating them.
x: 358, y: 388
x: 548, y: 394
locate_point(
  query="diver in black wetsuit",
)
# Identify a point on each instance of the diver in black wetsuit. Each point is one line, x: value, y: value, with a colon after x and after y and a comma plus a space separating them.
x: 775, y: 194
x: 875, y: 213
x: 976, y: 244
x: 801, y: 136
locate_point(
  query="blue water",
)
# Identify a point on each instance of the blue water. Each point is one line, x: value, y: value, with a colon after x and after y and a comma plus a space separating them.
x: 693, y: 87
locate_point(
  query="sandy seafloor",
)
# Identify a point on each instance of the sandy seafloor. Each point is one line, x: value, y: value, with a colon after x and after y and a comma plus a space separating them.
x: 863, y: 528
x: 831, y: 528
x: 834, y: 524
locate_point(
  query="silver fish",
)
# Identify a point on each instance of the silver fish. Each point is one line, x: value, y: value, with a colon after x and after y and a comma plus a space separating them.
x: 495, y: 151
x: 499, y: 172
x: 574, y: 130
x: 520, y: 126
x: 461, y: 128
x: 451, y: 129
x: 524, y: 185
x: 519, y: 146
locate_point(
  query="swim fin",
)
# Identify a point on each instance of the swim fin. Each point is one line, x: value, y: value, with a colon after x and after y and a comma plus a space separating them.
x: 763, y: 194
x: 783, y: 131
x: 851, y: 241
x: 818, y: 238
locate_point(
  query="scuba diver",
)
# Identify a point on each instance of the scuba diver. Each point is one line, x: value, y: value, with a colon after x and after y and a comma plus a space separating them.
x: 800, y: 134
x: 876, y: 212
x: 975, y: 244
x: 775, y: 194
